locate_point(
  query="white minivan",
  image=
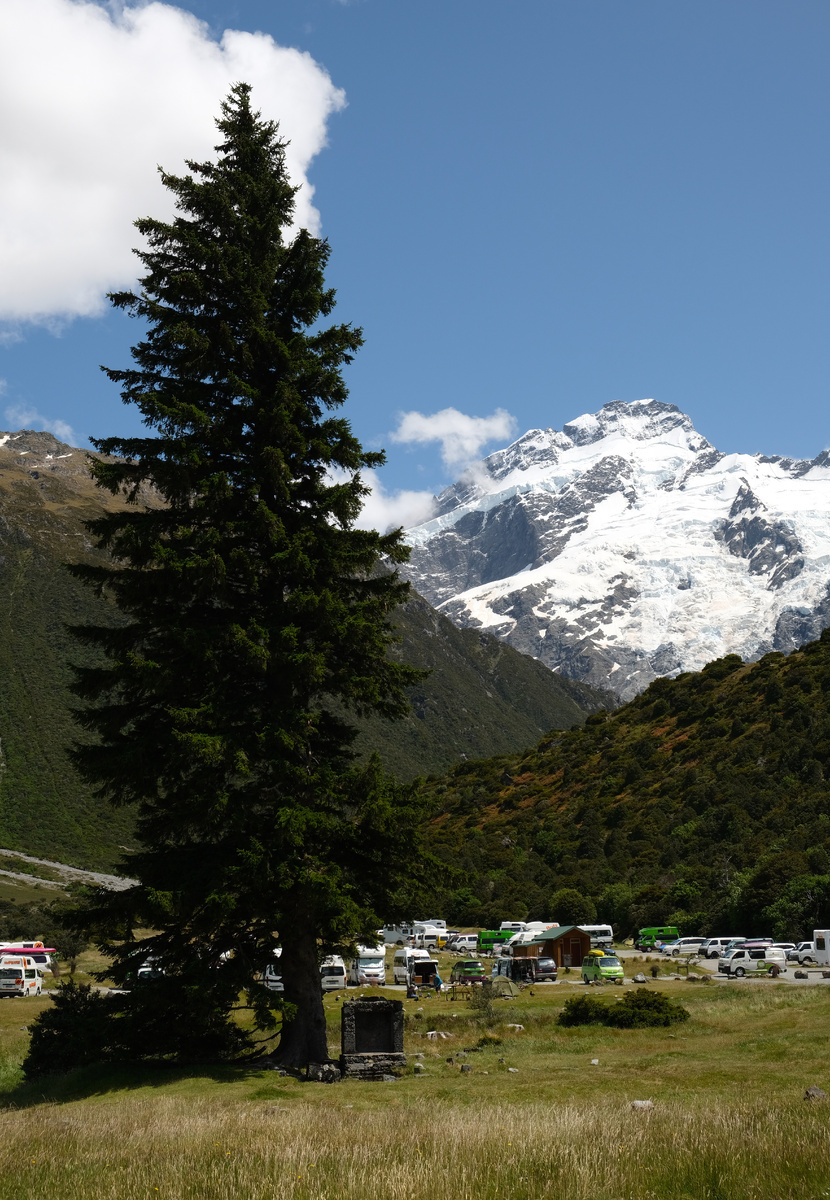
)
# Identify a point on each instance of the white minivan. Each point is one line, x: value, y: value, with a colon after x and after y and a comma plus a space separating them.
x: 333, y: 973
x: 752, y: 960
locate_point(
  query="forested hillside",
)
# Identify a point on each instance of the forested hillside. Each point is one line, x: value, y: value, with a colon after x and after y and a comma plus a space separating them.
x: 704, y: 803
x: 480, y: 697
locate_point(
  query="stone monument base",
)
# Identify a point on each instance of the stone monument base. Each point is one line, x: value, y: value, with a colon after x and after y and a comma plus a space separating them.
x: 371, y: 1065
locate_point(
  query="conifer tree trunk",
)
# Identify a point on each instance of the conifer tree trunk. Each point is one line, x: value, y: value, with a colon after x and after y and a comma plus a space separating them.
x: 303, y: 1039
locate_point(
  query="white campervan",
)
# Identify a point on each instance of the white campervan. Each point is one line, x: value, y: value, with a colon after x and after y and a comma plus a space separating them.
x: 333, y: 973
x: 401, y: 963
x: 369, y: 967
x: 19, y: 976
x: 821, y: 945
x: 602, y: 936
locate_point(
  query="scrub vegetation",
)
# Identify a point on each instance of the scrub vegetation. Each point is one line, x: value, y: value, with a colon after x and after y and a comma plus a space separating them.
x: 700, y: 804
x: 729, y: 1119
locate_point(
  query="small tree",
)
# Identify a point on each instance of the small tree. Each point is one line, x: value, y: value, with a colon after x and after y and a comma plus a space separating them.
x: 256, y: 617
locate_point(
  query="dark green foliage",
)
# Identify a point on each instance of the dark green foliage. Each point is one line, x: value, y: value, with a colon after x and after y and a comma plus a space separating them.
x: 703, y: 803
x: 71, y: 1033
x: 162, y: 1021
x: 256, y: 617
x: 570, y: 907
x: 638, y: 1009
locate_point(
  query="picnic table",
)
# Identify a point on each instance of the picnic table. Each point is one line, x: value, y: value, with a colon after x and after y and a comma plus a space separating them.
x: 458, y: 991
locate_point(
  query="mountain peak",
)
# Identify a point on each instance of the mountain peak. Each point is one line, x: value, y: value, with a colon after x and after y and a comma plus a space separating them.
x: 639, y: 420
x: 625, y: 546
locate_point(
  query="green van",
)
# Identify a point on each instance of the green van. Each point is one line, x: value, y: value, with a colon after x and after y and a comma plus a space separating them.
x: 602, y: 967
x: 490, y: 938
x: 646, y: 938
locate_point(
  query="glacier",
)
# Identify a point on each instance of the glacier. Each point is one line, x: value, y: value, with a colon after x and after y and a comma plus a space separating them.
x: 626, y: 546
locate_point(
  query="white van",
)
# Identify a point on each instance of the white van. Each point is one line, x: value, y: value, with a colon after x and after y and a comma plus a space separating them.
x: 602, y: 936
x: 749, y: 960
x: 333, y: 973
x: 369, y: 967
x: 401, y: 963
x: 515, y: 926
x: 272, y: 976
x: 821, y: 946
x: 19, y: 976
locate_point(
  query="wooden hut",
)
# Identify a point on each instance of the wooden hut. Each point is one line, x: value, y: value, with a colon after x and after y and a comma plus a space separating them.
x: 567, y: 945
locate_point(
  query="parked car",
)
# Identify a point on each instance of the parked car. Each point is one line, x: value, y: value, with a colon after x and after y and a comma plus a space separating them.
x: 467, y: 970
x: 272, y: 975
x: 544, y: 970
x: 466, y: 943
x: 807, y: 953
x: 606, y: 968
x: 792, y: 955
x: 685, y: 945
x: 714, y: 946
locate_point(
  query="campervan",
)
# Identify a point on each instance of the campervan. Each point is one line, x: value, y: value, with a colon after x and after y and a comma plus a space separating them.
x: 402, y: 963
x: 333, y: 973
x: 368, y: 967
x: 821, y: 944
x: 19, y: 976
x: 602, y: 936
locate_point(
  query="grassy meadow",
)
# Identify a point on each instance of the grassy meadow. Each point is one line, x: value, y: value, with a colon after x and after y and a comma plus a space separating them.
x: 729, y: 1118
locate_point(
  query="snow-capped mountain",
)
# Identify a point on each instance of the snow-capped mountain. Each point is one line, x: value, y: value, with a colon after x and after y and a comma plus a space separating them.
x: 626, y: 547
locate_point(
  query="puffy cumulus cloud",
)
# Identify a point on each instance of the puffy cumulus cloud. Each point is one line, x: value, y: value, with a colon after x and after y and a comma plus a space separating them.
x: 21, y: 417
x: 462, y: 437
x: 93, y: 97
x: 387, y: 510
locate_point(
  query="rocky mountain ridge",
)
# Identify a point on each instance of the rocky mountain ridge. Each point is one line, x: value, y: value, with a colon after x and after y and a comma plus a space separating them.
x: 626, y: 547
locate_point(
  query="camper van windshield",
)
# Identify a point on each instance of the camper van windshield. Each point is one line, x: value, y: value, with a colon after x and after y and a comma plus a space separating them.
x: 373, y: 963
x: 7, y: 973
x: 331, y: 970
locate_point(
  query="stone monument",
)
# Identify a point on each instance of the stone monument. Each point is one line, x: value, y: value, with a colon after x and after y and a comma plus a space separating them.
x: 371, y: 1038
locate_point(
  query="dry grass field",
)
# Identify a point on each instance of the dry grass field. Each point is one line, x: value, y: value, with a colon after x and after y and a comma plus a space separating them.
x: 729, y: 1120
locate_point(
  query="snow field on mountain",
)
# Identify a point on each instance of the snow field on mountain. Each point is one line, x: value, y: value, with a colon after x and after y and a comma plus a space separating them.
x: 647, y: 541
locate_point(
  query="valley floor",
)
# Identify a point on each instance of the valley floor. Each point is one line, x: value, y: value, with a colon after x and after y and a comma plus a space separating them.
x: 729, y: 1118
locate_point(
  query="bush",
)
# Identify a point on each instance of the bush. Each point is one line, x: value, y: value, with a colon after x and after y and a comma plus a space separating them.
x: 162, y: 1021
x: 639, y: 1009
x: 583, y: 1010
x: 72, y: 1033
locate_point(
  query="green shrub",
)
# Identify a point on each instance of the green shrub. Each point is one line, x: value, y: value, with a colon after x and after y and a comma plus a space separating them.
x: 640, y: 1009
x: 583, y: 1010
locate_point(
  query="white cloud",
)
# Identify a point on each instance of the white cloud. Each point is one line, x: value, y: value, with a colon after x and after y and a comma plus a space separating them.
x: 20, y: 417
x: 387, y: 510
x: 462, y: 438
x: 93, y: 97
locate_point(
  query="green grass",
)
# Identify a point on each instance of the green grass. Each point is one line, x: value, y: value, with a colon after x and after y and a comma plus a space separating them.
x: 729, y: 1119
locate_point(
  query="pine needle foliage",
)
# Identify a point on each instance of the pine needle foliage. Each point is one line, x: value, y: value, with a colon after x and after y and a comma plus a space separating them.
x: 258, y: 618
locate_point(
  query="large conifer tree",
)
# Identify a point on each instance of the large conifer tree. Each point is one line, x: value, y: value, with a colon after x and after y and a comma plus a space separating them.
x: 256, y: 620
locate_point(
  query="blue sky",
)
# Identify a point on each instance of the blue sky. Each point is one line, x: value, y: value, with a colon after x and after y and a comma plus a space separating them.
x: 533, y: 209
